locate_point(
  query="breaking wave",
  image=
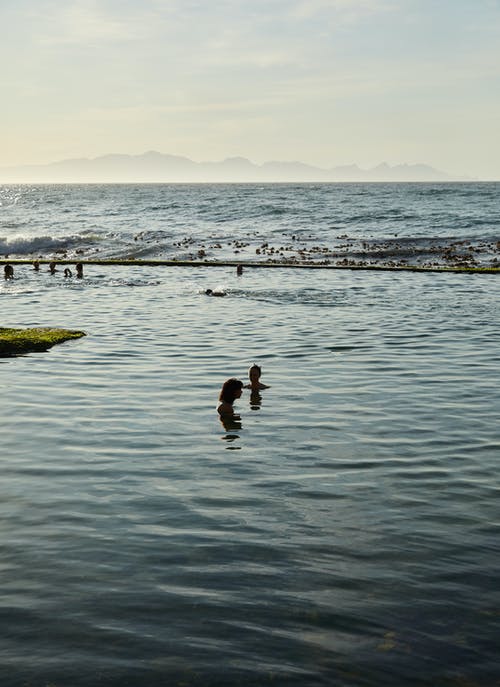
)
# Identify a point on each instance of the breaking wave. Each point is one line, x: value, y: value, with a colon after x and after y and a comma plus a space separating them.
x: 19, y: 245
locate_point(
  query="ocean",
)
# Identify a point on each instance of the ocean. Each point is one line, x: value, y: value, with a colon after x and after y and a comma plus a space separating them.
x: 344, y: 532
x: 422, y: 224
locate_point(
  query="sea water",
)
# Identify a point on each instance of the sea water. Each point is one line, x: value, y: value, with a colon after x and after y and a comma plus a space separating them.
x: 344, y: 532
x: 413, y: 223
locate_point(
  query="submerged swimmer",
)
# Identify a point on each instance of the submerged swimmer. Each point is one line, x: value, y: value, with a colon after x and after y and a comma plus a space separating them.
x: 8, y: 272
x: 52, y: 267
x: 215, y: 292
x: 68, y: 272
x: 254, y: 376
x: 231, y: 390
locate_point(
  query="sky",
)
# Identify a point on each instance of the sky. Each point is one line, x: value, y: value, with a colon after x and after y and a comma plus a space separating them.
x: 326, y: 82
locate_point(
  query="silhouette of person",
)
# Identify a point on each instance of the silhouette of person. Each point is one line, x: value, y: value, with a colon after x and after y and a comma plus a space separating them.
x: 254, y: 376
x: 231, y: 390
x: 215, y: 292
x: 8, y: 272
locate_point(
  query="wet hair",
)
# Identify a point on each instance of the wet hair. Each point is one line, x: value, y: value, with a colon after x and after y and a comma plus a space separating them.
x: 229, y: 389
x: 255, y: 367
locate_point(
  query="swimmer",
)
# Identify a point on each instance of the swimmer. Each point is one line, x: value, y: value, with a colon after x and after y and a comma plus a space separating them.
x: 52, y: 267
x: 231, y: 390
x: 68, y: 272
x: 215, y: 292
x: 36, y: 265
x: 239, y: 270
x: 79, y: 270
x: 254, y: 376
x: 8, y: 272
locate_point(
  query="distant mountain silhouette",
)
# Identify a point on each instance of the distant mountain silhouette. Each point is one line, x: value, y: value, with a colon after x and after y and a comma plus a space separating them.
x: 158, y: 167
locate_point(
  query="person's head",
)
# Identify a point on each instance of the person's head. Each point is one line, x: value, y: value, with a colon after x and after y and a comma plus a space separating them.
x: 209, y: 292
x: 254, y: 373
x: 231, y: 390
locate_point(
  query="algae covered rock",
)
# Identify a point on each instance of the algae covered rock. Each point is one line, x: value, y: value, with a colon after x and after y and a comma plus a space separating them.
x: 19, y: 341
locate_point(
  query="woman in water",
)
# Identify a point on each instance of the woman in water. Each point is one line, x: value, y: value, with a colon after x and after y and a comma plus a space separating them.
x: 231, y: 390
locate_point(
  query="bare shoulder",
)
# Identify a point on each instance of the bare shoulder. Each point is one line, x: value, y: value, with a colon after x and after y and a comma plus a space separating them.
x: 225, y: 409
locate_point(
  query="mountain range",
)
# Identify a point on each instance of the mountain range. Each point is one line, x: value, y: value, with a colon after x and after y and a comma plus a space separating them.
x: 159, y: 167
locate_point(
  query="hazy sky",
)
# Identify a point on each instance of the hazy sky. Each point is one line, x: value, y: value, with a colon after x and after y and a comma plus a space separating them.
x: 327, y: 82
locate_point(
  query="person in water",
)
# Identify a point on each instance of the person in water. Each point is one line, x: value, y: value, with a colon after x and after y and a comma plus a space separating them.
x: 231, y: 390
x: 254, y: 376
x: 52, y: 267
x: 79, y: 270
x: 68, y: 272
x: 216, y: 292
x: 8, y: 272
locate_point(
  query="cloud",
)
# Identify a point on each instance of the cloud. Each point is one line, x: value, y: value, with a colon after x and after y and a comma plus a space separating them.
x: 89, y: 22
x: 145, y: 113
x: 351, y: 10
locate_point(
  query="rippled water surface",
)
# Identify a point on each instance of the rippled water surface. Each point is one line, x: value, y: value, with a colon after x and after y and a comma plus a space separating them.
x: 346, y: 534
x: 413, y: 223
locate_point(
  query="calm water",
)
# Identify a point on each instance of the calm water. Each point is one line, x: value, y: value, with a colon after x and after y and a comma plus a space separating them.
x: 346, y: 534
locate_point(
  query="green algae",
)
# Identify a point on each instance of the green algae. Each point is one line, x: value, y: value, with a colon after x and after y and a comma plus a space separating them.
x: 19, y: 341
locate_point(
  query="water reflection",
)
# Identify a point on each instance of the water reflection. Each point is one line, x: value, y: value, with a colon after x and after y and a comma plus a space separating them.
x: 255, y: 400
x: 231, y: 424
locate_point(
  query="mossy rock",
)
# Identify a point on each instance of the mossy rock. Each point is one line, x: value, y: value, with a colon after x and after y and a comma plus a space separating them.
x: 19, y: 341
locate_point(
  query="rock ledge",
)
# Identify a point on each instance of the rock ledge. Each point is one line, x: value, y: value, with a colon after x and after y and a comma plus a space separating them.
x: 19, y: 341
